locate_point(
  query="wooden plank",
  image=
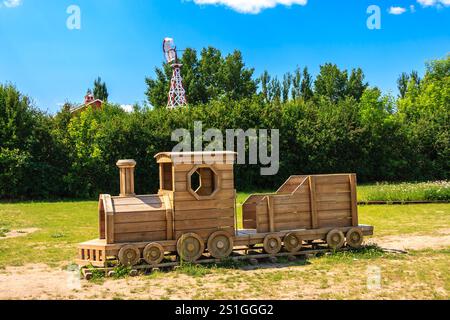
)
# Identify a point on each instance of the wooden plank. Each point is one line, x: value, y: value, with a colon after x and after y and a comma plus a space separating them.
x: 181, y: 225
x: 283, y: 226
x: 109, y: 211
x: 220, y: 195
x: 203, y: 204
x: 338, y: 197
x: 333, y: 188
x: 270, y: 211
x: 336, y: 223
x: 170, y: 229
x: 354, y: 200
x: 291, y: 199
x: 140, y: 208
x: 287, y: 217
x: 312, y: 193
x: 141, y: 227
x: 130, y: 217
x: 333, y: 205
x: 151, y: 199
x: 140, y: 236
x: 288, y: 208
x: 331, y: 179
x: 335, y: 214
x: 204, y: 214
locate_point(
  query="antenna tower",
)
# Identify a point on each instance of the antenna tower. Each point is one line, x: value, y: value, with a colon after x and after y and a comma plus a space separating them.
x: 177, y: 94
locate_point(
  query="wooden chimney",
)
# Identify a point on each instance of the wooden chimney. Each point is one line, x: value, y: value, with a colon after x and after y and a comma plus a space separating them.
x: 126, y: 168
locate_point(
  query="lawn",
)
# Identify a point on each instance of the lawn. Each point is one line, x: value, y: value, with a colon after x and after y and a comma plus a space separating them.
x: 419, y: 274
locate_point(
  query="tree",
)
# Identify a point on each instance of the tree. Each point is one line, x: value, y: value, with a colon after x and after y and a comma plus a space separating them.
x: 265, y: 84
x: 296, y: 84
x: 306, y: 86
x: 402, y: 84
x: 100, y: 90
x: 213, y: 77
x: 287, y: 81
x: 356, y: 84
x: 331, y: 82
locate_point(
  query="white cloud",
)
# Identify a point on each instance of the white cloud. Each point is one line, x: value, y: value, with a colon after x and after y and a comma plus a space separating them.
x: 251, y: 6
x: 412, y: 8
x: 127, y: 107
x: 432, y: 3
x: 397, y: 10
x: 12, y: 3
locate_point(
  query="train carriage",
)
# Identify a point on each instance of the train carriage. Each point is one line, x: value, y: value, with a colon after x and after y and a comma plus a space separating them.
x: 194, y: 214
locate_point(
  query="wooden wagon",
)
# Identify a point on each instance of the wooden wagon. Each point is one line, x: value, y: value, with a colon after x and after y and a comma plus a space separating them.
x: 194, y: 214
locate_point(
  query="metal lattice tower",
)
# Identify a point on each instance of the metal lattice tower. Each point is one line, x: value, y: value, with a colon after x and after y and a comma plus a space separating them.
x: 177, y: 94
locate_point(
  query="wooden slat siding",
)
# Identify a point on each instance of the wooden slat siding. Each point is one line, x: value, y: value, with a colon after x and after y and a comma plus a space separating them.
x: 291, y: 184
x: 170, y: 228
x: 338, y: 197
x: 203, y: 204
x: 354, y: 200
x: 182, y: 225
x: 217, y: 166
x: 333, y: 188
x: 336, y: 223
x: 313, y: 204
x: 331, y: 179
x: 291, y: 208
x: 131, y: 217
x: 140, y: 208
x: 303, y: 217
x: 330, y: 206
x: 181, y: 176
x: 338, y: 214
x: 140, y: 236
x: 141, y: 226
x: 204, y: 214
x: 283, y: 226
x: 151, y: 199
x: 297, y: 198
x: 225, y: 184
x: 204, y: 233
x: 221, y: 195
x: 109, y: 223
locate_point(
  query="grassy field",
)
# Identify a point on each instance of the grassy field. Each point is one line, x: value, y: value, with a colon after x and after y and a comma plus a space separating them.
x: 419, y: 274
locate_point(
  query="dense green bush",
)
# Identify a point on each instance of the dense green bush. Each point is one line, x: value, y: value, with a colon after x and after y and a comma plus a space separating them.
x: 376, y: 136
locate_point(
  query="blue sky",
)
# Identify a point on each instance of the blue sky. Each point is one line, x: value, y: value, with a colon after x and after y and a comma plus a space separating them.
x: 120, y: 40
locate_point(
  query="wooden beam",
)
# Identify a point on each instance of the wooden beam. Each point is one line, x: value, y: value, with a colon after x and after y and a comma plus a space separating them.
x: 270, y: 214
x: 312, y: 195
x: 169, y: 217
x: 354, y: 200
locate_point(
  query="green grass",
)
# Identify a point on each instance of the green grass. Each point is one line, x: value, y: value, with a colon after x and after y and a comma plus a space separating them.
x: 426, y: 191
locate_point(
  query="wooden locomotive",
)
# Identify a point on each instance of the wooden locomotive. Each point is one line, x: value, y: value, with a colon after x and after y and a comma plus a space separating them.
x: 194, y: 214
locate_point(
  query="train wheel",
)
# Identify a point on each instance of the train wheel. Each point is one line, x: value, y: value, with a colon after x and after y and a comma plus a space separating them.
x: 354, y: 238
x: 292, y: 242
x: 220, y: 244
x: 272, y: 244
x: 335, y: 239
x: 129, y: 255
x: 153, y: 253
x: 190, y: 247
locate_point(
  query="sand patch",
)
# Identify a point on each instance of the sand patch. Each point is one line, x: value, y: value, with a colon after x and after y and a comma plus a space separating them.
x: 19, y: 233
x: 415, y: 242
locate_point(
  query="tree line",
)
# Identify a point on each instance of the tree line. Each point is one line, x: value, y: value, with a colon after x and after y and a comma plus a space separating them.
x: 335, y: 122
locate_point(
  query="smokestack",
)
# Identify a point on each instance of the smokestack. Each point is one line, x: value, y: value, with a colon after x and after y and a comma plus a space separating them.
x: 126, y: 168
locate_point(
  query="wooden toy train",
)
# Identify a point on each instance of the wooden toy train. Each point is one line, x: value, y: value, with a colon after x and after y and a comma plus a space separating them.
x: 194, y: 214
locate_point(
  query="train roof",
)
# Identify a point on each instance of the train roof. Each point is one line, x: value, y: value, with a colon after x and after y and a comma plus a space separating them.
x: 209, y: 157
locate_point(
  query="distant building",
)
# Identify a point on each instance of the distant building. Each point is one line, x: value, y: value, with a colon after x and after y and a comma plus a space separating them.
x: 89, y: 100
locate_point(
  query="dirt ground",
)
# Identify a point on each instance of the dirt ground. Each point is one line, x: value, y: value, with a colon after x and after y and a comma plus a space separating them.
x: 42, y: 282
